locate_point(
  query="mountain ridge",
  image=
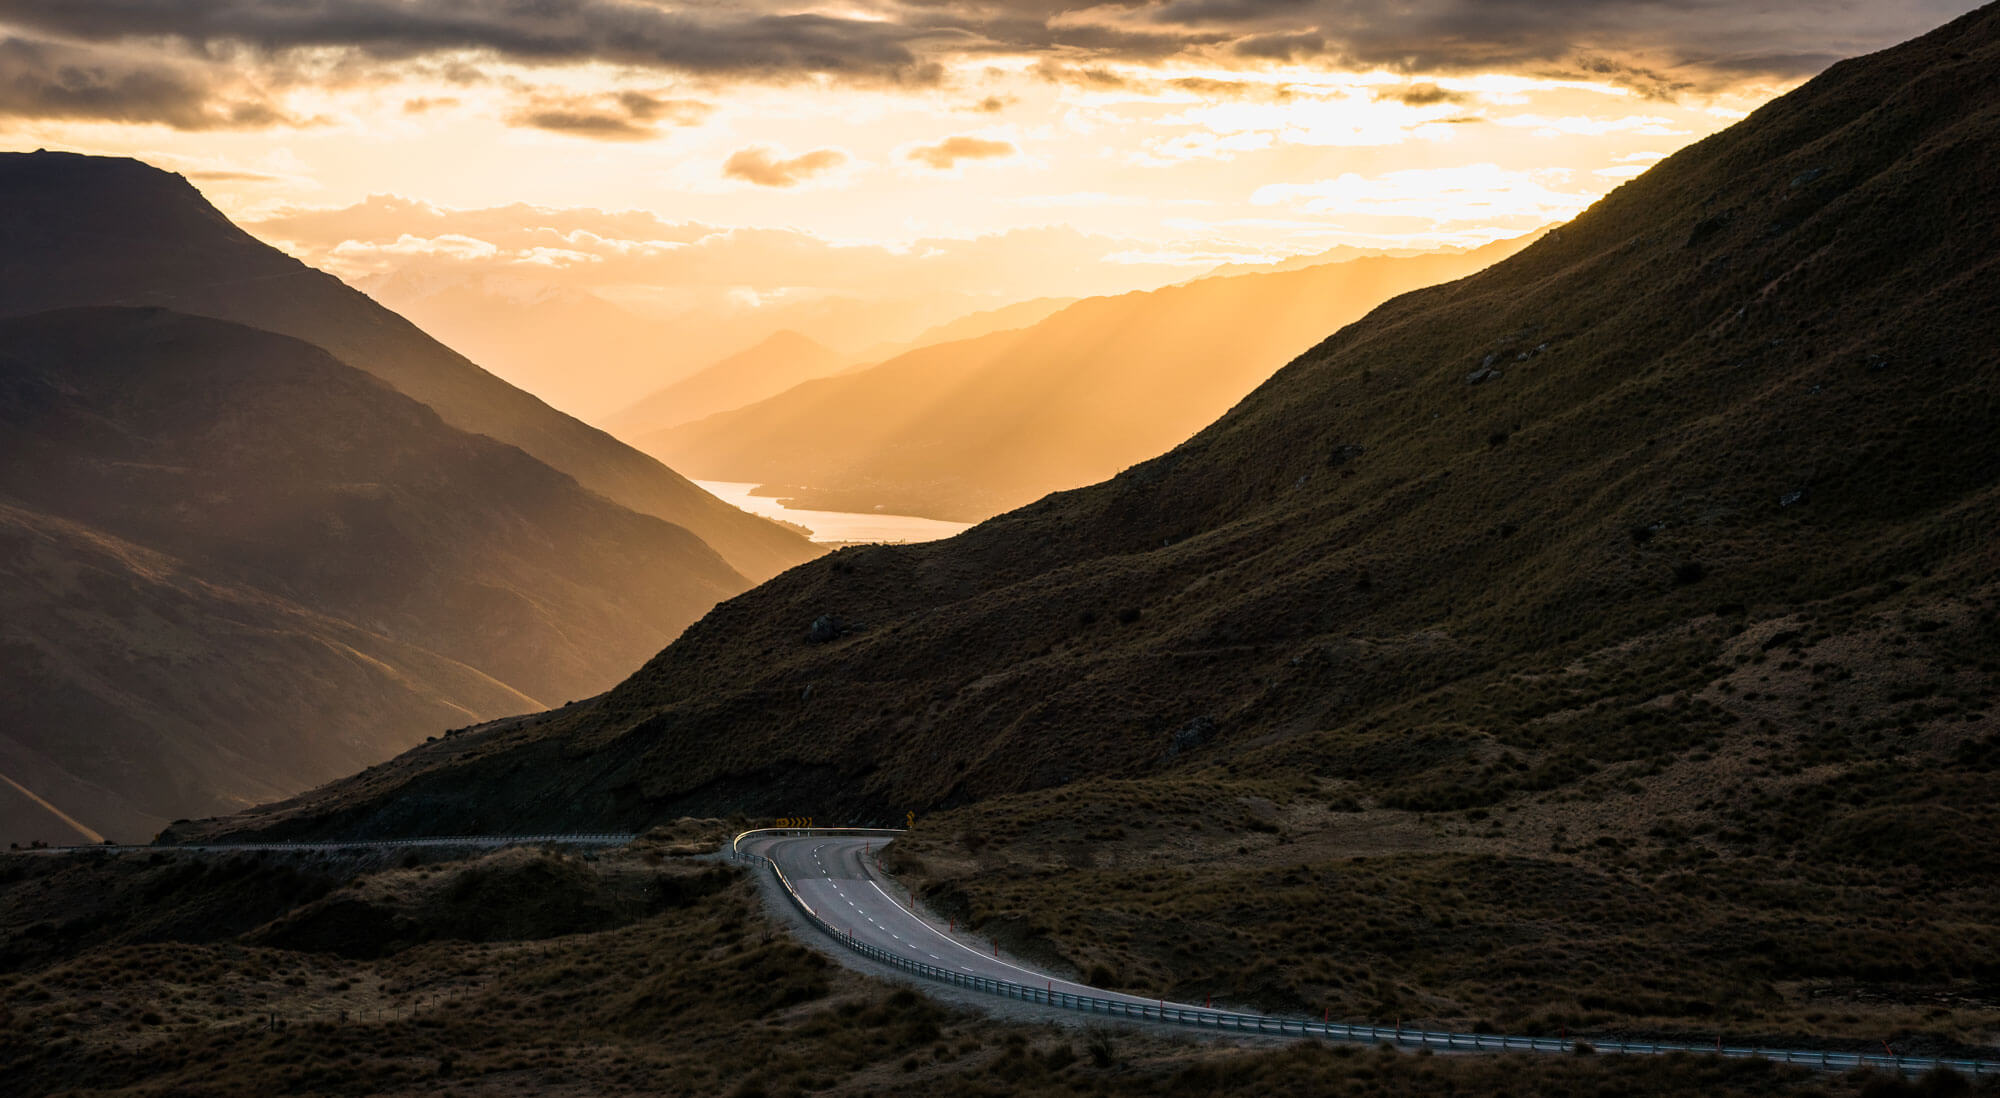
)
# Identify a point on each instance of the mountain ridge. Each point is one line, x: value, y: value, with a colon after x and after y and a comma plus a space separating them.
x: 1718, y: 400
x: 964, y: 429
x: 81, y: 230
x: 529, y: 335
x: 775, y: 363
x: 175, y: 487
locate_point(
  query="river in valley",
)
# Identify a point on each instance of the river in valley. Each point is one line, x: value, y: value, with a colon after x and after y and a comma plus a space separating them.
x: 830, y: 527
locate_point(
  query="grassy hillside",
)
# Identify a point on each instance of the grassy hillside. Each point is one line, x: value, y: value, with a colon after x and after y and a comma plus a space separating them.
x: 139, y: 690
x: 633, y: 972
x: 78, y: 230
x: 238, y: 567
x: 967, y: 429
x: 1749, y: 386
x: 1609, y: 638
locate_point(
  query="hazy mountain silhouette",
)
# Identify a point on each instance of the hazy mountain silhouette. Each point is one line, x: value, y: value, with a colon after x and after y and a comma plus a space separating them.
x: 1020, y: 314
x: 967, y: 429
x: 788, y: 358
x: 78, y: 230
x: 1543, y: 523
x: 535, y: 337
x: 776, y: 363
x: 238, y: 567
x: 1339, y: 253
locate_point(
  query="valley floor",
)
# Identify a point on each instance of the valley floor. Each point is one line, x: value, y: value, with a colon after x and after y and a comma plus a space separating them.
x: 650, y: 970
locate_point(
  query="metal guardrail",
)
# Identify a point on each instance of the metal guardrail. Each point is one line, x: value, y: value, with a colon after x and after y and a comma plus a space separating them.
x: 592, y: 839
x: 1226, y: 1021
x: 736, y: 844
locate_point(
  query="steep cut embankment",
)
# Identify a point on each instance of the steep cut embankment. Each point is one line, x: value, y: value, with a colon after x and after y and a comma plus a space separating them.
x: 1497, y: 537
x: 78, y: 230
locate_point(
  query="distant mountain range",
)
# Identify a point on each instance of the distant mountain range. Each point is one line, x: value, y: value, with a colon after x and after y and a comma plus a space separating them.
x: 966, y: 429
x: 259, y: 531
x: 595, y: 353
x: 1689, y: 504
x: 777, y: 363
x: 567, y: 346
x: 1339, y: 253
x: 82, y: 230
x: 788, y: 358
x: 1020, y: 314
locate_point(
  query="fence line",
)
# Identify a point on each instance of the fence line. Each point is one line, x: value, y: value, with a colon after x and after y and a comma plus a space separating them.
x: 606, y: 838
x: 1239, y: 1022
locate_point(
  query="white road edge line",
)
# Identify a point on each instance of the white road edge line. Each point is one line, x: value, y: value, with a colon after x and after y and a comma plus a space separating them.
x: 1043, y: 976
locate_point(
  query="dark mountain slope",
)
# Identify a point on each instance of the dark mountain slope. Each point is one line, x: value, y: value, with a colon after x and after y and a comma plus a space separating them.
x: 78, y: 230
x: 968, y: 429
x: 1497, y: 537
x: 176, y: 486
x: 137, y: 691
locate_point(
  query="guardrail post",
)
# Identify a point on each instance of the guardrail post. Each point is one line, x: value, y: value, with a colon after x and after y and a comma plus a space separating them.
x: 1242, y: 1022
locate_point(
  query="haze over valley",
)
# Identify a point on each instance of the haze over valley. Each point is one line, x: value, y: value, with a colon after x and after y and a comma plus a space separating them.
x: 965, y: 429
x: 411, y: 543
x: 625, y: 547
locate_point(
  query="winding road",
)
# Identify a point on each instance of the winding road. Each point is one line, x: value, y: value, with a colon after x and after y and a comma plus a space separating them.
x: 837, y: 879
x: 833, y: 876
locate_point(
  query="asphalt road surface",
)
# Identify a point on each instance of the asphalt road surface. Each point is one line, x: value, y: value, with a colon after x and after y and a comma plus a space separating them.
x: 837, y: 877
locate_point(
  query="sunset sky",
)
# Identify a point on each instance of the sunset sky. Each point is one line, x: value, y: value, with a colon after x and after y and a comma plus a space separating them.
x: 751, y: 156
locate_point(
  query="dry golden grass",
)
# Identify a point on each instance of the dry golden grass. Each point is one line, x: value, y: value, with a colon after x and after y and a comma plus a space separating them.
x: 1740, y: 869
x: 1646, y: 686
x: 706, y: 997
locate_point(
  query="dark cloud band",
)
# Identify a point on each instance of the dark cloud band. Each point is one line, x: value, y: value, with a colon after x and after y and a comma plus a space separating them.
x: 1657, y: 46
x: 729, y: 42
x: 52, y: 80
